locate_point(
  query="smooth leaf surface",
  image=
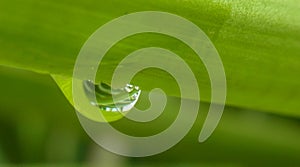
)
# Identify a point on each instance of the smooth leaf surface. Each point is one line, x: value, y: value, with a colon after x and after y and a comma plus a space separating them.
x: 258, y: 42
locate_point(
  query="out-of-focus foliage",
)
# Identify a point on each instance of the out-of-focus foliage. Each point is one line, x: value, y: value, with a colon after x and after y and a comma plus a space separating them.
x: 39, y: 126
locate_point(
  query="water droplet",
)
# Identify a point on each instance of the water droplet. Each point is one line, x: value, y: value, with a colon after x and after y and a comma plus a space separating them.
x: 109, y: 99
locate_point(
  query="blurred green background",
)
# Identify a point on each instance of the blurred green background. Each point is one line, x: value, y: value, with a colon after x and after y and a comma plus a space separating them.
x: 39, y: 127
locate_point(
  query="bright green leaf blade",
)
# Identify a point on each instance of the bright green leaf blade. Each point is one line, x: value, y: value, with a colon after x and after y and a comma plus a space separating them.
x: 258, y: 42
x: 65, y: 84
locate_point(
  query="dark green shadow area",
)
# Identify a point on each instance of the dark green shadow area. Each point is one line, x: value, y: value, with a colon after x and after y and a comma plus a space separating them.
x: 38, y: 127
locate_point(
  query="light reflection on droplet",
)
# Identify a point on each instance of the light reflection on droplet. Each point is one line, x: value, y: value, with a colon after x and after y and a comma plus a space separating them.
x: 109, y: 99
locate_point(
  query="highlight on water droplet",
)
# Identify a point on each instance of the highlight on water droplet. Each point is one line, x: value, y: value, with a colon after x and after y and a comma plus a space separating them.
x: 109, y: 99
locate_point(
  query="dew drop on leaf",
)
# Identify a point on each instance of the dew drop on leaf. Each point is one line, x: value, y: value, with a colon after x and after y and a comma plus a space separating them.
x: 110, y: 99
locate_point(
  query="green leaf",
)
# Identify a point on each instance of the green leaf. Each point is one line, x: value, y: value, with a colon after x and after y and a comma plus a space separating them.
x: 258, y: 42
